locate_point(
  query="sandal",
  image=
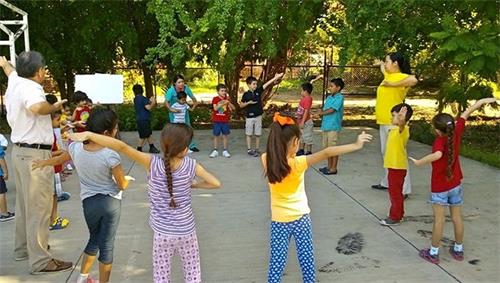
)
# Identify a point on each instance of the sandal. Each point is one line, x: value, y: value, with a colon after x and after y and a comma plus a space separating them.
x: 59, y: 223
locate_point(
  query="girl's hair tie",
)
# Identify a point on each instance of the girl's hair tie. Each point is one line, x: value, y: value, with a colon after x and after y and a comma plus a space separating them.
x: 283, y: 119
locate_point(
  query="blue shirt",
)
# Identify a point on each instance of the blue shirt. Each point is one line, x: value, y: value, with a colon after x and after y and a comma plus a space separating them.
x: 171, y: 98
x: 2, y: 156
x: 333, y: 121
x: 141, y: 113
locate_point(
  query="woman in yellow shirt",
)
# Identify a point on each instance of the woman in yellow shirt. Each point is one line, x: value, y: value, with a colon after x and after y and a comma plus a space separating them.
x: 289, y: 207
x: 392, y: 91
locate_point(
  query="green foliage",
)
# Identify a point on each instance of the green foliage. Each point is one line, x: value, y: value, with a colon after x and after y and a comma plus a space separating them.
x: 456, y: 40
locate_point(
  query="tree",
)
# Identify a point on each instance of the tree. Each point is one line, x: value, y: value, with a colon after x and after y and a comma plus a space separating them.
x: 226, y: 34
x: 457, y: 38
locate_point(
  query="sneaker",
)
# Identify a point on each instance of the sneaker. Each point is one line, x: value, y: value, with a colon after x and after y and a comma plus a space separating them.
x: 323, y: 169
x: 139, y: 148
x: 7, y: 217
x: 214, y: 154
x: 250, y: 152
x: 256, y: 153
x: 379, y: 187
x: 59, y: 223
x: 226, y: 154
x: 425, y: 254
x: 64, y: 196
x: 55, y: 266
x: 190, y: 151
x: 406, y: 196
x: 389, y: 222
x: 300, y: 152
x: 21, y: 258
x: 153, y: 149
x: 195, y: 149
x: 309, y: 153
x: 91, y: 280
x: 456, y: 255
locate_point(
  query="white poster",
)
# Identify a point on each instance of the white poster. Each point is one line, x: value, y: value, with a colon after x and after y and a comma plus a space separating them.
x: 101, y: 88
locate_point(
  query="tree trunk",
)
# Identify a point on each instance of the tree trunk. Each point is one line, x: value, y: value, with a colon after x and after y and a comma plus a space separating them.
x: 61, y: 85
x: 70, y: 84
x: 273, y: 66
x: 148, y: 81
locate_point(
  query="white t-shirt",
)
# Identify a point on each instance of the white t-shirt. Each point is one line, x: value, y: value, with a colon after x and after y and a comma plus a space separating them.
x: 27, y: 127
x: 180, y: 117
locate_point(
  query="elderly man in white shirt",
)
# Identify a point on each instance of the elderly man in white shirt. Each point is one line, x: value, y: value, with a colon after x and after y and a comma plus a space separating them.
x: 28, y: 114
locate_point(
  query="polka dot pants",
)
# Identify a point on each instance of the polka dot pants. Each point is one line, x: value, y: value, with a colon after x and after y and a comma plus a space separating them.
x: 280, y: 238
x: 165, y: 246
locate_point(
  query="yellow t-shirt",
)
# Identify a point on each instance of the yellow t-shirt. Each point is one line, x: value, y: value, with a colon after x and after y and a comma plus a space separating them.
x: 387, y: 97
x: 288, y: 198
x: 395, y: 150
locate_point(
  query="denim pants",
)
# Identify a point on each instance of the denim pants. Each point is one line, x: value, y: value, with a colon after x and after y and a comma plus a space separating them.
x: 281, y: 233
x: 102, y: 214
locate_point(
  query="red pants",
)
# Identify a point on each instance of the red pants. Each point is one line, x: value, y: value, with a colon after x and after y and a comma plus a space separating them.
x: 396, y: 178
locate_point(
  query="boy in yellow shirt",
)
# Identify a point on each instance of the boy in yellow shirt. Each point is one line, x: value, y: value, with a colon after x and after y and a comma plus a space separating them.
x: 396, y: 161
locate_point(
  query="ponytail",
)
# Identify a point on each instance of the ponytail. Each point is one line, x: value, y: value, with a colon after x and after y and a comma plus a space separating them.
x: 168, y: 172
x: 403, y: 63
x: 282, y: 131
x: 450, y: 129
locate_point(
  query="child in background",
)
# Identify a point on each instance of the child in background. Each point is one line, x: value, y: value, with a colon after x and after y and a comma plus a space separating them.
x: 289, y: 207
x: 82, y: 111
x: 221, y: 108
x: 102, y: 182
x: 446, y: 179
x: 180, y: 108
x: 143, y: 106
x: 395, y: 160
x: 170, y: 182
x: 66, y: 124
x: 304, y: 120
x: 5, y: 215
x: 252, y: 102
x: 331, y: 123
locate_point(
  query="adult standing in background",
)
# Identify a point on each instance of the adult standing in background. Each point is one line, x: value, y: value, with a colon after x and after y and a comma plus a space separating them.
x: 392, y: 91
x: 28, y: 114
x: 171, y: 98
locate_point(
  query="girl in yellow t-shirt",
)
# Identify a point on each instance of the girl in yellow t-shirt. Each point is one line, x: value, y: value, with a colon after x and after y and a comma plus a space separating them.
x: 392, y: 91
x: 289, y: 207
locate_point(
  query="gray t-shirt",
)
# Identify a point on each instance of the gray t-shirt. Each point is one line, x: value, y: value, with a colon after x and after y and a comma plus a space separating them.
x: 94, y: 170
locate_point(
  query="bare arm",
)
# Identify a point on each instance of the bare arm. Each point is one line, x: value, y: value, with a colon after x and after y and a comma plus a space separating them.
x: 326, y: 112
x: 57, y: 160
x: 380, y: 64
x: 465, y: 115
x: 316, y: 78
x: 245, y: 104
x: 6, y: 66
x: 427, y: 159
x: 303, y: 119
x: 271, y: 81
x: 409, y: 81
x: 5, y: 170
x: 402, y: 119
x: 338, y: 150
x: 119, y: 177
x: 117, y: 145
x: 208, y: 181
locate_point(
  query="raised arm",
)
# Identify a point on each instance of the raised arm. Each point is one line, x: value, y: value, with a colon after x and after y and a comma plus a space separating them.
x: 427, y: 159
x: 271, y: 81
x: 409, y: 81
x: 117, y: 145
x: 402, y: 118
x: 208, y: 181
x: 380, y: 64
x: 318, y: 77
x: 338, y: 150
x: 6, y: 66
x: 465, y: 115
x: 45, y: 108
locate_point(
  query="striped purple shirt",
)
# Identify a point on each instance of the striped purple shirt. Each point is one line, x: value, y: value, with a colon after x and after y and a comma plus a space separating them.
x: 163, y: 218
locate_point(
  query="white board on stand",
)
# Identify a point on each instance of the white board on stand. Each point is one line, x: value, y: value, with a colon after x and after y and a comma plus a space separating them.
x: 101, y: 88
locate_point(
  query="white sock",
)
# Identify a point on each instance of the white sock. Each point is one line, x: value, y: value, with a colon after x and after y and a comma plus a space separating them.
x: 458, y: 248
x: 434, y: 251
x: 82, y: 278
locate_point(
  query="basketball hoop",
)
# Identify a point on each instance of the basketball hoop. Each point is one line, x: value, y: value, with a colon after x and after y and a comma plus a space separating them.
x: 13, y: 36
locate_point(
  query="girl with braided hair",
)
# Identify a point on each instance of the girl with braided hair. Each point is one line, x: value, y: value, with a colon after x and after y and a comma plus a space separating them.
x: 289, y: 208
x: 446, y: 177
x: 170, y: 180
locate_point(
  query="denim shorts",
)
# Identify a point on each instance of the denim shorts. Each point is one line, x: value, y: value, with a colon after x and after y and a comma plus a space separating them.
x: 454, y: 196
x: 221, y: 128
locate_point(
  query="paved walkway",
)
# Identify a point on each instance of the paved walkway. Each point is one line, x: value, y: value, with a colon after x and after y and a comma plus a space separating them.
x: 233, y: 224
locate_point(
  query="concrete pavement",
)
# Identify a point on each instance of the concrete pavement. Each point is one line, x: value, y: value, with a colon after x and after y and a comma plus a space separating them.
x: 233, y: 223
